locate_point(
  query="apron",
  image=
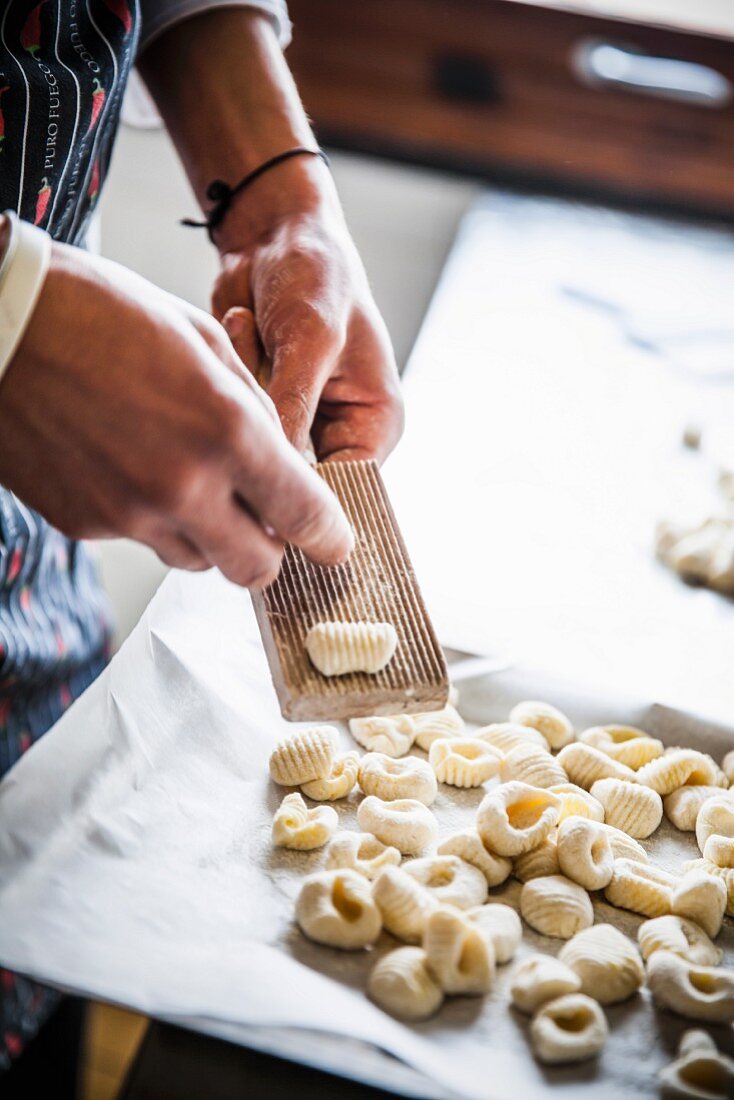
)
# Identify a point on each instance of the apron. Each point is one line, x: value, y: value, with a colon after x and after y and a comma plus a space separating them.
x: 64, y: 65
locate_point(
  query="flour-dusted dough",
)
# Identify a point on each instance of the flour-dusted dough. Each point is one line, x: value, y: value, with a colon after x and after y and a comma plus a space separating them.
x: 577, y: 802
x: 540, y: 861
x: 304, y: 756
x: 641, y: 887
x: 432, y: 725
x: 390, y: 779
x: 716, y: 817
x: 584, y: 764
x: 468, y: 845
x: 338, y: 783
x: 401, y: 983
x: 569, y: 1029
x: 701, y: 897
x: 631, y: 807
x: 585, y: 852
x: 459, y: 956
x: 506, y: 735
x: 699, y: 992
x: 336, y: 908
x: 392, y: 736
x: 681, y: 937
x: 450, y: 880
x: 529, y: 764
x: 538, y: 979
x: 700, y: 1072
x: 502, y: 925
x: 297, y: 827
x: 515, y: 817
x: 682, y: 806
x: 624, y: 846
x: 546, y: 719
x: 405, y: 824
x: 625, y: 744
x: 361, y: 852
x: 336, y: 648
x: 606, y: 961
x: 405, y: 904
x: 464, y: 761
x: 679, y: 767
x: 555, y: 906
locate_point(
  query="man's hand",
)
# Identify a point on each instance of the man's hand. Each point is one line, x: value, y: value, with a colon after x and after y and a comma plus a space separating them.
x: 286, y: 252
x: 127, y: 412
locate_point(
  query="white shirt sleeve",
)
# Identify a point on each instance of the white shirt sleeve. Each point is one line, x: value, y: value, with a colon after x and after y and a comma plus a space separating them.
x: 159, y: 15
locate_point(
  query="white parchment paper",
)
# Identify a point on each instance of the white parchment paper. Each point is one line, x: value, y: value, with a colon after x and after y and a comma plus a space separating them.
x: 136, y: 866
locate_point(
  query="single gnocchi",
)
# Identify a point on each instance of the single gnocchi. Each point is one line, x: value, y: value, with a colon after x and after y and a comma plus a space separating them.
x: 501, y: 924
x: 679, y: 767
x: 584, y: 765
x: 505, y: 736
x: 679, y: 936
x: 390, y: 779
x: 719, y: 850
x: 538, y: 862
x: 555, y: 906
x: 336, y: 908
x: 569, y: 1029
x: 699, y: 992
x: 336, y: 648
x: 467, y: 845
x: 297, y: 827
x: 458, y: 955
x: 304, y: 756
x: 577, y: 802
x: 449, y: 880
x: 463, y: 761
x: 701, y: 897
x: 338, y: 783
x: 606, y: 961
x: 634, y: 809
x: 641, y: 887
x: 515, y: 817
x: 623, y: 846
x: 533, y: 766
x: 539, y: 979
x: 435, y: 725
x: 401, y: 983
x: 585, y: 853
x: 682, y: 806
x: 361, y: 852
x: 716, y: 816
x: 724, y: 874
x: 700, y: 1072
x: 546, y: 719
x: 405, y: 824
x: 392, y: 736
x: 625, y: 744
x: 404, y: 904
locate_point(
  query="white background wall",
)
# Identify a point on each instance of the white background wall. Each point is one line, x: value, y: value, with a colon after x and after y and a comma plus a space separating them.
x: 403, y: 220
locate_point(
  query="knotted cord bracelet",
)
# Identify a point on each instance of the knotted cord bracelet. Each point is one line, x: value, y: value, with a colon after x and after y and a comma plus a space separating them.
x: 221, y: 194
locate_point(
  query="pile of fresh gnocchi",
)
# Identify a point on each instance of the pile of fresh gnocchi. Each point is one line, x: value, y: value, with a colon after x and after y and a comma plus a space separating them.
x: 564, y: 814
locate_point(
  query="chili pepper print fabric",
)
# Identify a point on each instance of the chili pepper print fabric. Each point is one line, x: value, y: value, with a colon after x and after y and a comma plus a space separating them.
x: 63, y: 69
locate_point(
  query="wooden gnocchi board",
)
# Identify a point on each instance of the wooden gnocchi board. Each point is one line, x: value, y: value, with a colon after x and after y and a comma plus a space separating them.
x: 377, y: 584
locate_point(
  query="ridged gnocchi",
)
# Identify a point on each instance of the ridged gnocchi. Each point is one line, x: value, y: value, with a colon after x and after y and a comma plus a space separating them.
x: 719, y: 850
x: 625, y: 744
x: 533, y: 766
x: 699, y: 992
x: 515, y: 817
x: 585, y: 853
x: 304, y: 756
x: 546, y: 719
x: 467, y: 845
x: 507, y: 735
x: 538, y: 979
x: 623, y: 846
x: 634, y: 809
x: 679, y: 936
x: 401, y: 983
x: 405, y: 824
x: 569, y: 1029
x: 463, y: 761
x: 393, y: 736
x: 538, y: 862
x: 700, y: 1072
x: 390, y: 779
x: 338, y: 783
x: 361, y: 852
x: 555, y: 906
x: 701, y: 897
x: 716, y: 816
x: 584, y: 765
x: 449, y: 880
x: 431, y: 726
x: 641, y: 887
x: 606, y: 961
x: 336, y: 908
x: 724, y: 874
x: 337, y: 648
x: 404, y: 904
x: 682, y: 806
x: 502, y: 925
x: 297, y: 827
x: 577, y: 802
x: 677, y: 768
x: 458, y: 955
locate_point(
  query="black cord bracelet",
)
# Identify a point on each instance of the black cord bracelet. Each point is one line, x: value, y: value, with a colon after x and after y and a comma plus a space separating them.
x: 221, y: 194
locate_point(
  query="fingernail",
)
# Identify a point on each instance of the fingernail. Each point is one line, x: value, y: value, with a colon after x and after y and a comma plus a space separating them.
x: 234, y: 322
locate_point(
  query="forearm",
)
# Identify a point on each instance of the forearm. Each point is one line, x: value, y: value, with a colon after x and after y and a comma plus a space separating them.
x: 229, y: 102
